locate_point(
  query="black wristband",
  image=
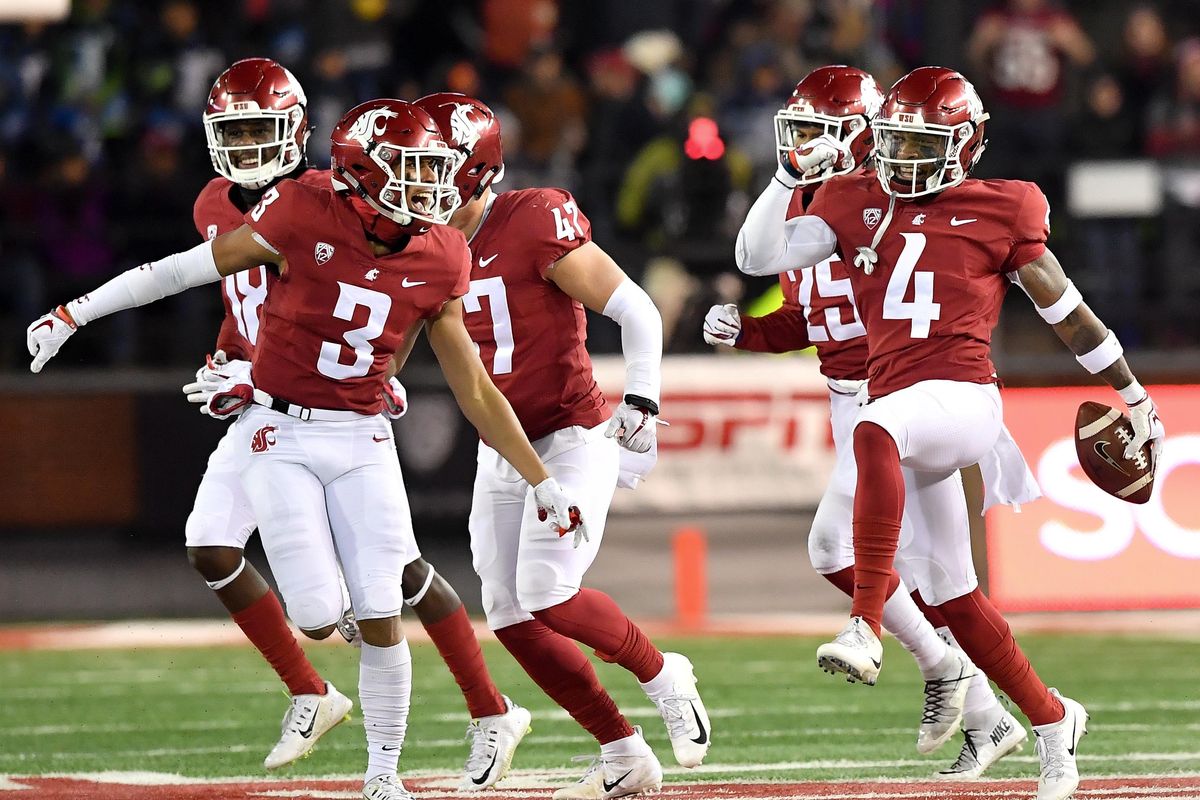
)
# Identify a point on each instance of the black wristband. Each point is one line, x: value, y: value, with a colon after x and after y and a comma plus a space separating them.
x: 643, y: 403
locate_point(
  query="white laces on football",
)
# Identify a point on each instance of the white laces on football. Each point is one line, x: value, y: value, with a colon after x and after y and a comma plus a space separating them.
x: 867, y: 258
x: 673, y: 710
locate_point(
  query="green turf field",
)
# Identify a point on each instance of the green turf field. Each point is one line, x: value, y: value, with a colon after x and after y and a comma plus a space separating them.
x: 215, y: 712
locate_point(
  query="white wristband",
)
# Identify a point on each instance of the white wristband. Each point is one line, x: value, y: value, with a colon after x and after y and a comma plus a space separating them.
x: 1133, y: 393
x: 1102, y: 356
x: 1057, y: 311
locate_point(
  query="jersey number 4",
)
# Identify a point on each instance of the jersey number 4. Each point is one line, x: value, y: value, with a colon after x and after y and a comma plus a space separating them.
x: 921, y: 309
x: 502, y: 332
x: 566, y: 221
x: 350, y: 297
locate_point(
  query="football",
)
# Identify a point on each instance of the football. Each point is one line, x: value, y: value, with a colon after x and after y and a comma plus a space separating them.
x: 1101, y: 434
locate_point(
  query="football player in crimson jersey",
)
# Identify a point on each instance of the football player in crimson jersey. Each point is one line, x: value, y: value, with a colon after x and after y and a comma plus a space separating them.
x: 819, y: 309
x: 933, y: 252
x: 357, y: 269
x: 257, y: 129
x: 534, y: 270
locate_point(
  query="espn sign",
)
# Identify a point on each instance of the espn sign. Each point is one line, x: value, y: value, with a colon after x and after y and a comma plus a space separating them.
x: 747, y: 432
x: 1080, y: 548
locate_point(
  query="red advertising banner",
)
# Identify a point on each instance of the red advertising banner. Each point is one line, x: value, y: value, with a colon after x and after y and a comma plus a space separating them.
x: 1079, y: 548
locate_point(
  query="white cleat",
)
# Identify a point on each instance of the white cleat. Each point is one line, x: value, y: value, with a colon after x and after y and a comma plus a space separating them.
x: 945, y: 695
x: 984, y: 746
x: 616, y: 776
x: 1056, y: 744
x: 385, y: 787
x: 684, y: 714
x: 856, y: 652
x: 309, y: 717
x: 493, y: 741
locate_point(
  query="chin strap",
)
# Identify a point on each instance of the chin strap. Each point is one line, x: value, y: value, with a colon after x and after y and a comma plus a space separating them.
x: 867, y: 258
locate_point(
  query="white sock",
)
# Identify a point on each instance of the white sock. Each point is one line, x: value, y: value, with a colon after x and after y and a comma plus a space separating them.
x: 633, y: 745
x: 980, y: 696
x: 384, y: 687
x: 902, y: 619
x: 660, y: 685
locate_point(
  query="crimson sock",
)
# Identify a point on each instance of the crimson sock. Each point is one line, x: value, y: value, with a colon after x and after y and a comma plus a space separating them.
x: 455, y: 640
x: 843, y: 579
x: 985, y: 636
x: 267, y: 629
x: 563, y: 672
x: 935, y: 617
x: 878, y: 508
x: 592, y: 617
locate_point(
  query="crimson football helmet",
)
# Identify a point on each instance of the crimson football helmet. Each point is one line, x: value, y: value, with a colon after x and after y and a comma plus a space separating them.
x: 929, y: 133
x: 470, y: 127
x: 391, y: 153
x: 841, y: 101
x: 257, y: 89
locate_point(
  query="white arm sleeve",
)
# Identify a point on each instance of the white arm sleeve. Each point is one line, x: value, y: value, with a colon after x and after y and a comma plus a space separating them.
x: 641, y: 338
x: 147, y: 283
x: 769, y: 243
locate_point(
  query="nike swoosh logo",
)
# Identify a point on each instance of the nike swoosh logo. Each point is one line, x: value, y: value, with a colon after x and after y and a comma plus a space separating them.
x: 955, y: 222
x: 703, y: 737
x: 379, y: 438
x: 483, y: 262
x: 43, y: 324
x: 1102, y: 451
x: 1071, y: 749
x: 307, y: 732
x: 877, y: 664
x: 390, y: 748
x: 608, y: 787
x: 407, y: 284
x: 482, y: 779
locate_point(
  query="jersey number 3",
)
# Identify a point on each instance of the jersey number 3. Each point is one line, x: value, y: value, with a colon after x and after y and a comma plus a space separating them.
x: 350, y: 297
x: 921, y: 309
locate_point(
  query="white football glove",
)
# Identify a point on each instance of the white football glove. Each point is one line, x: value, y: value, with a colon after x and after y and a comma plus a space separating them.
x: 1147, y: 427
x: 553, y: 505
x: 395, y: 399
x: 46, y: 335
x: 634, y: 428
x: 231, y: 397
x: 722, y: 325
x: 216, y: 370
x: 809, y: 160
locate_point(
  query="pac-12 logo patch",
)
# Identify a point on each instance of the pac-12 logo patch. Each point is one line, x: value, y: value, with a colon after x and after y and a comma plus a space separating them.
x: 262, y: 439
x: 871, y: 217
x: 212, y: 232
x: 322, y: 252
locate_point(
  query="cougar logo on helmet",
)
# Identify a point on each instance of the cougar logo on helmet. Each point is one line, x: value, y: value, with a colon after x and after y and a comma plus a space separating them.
x: 370, y: 125
x: 463, y: 128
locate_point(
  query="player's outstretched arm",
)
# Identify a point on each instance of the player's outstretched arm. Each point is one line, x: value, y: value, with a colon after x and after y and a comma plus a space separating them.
x: 489, y: 411
x: 784, y: 330
x: 1094, y: 345
x: 589, y: 275
x: 205, y: 263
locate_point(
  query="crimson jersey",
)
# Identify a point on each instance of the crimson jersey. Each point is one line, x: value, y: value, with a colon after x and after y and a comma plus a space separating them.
x: 935, y: 295
x: 818, y: 309
x: 1026, y: 67
x: 332, y: 321
x: 242, y: 293
x: 531, y: 335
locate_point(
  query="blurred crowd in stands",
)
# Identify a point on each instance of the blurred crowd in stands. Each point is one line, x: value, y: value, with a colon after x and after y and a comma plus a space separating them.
x: 657, y: 115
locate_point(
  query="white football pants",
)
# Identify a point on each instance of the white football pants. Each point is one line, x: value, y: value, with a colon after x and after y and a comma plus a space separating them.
x: 324, y: 493
x: 522, y: 564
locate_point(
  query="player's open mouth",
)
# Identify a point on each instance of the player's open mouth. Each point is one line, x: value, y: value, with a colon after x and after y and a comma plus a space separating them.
x: 246, y: 160
x: 421, y: 201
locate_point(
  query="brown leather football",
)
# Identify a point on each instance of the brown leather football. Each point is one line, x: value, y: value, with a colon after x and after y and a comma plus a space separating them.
x: 1101, y: 434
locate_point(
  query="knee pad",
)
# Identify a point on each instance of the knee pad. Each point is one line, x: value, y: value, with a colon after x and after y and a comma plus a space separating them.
x: 501, y: 608
x: 542, y: 584
x: 829, y: 549
x: 315, y: 610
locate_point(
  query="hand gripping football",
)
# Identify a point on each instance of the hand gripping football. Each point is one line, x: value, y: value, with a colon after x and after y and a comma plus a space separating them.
x: 1101, y: 434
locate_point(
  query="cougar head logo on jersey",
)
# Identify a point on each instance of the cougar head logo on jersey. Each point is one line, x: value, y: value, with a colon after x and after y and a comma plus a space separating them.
x: 370, y: 125
x: 322, y: 253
